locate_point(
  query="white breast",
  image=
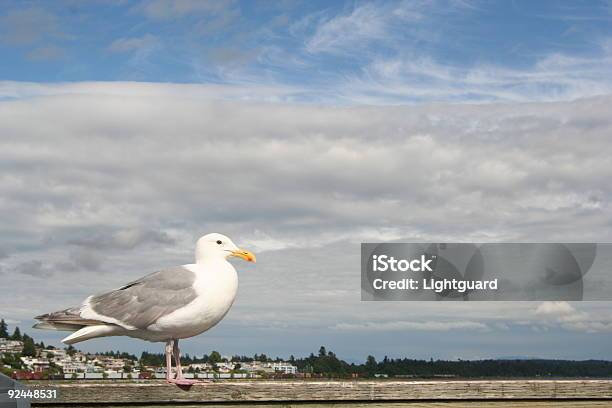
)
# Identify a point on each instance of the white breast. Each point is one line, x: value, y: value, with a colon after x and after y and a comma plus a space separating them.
x: 216, y: 285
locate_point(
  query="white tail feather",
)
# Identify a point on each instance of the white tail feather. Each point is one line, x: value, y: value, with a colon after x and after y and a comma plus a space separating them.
x: 91, y: 332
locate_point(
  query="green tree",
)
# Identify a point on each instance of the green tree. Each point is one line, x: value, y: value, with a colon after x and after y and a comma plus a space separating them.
x: 29, y: 348
x: 214, y: 357
x: 149, y: 359
x: 371, y: 366
x: 3, y: 329
x: 16, y: 334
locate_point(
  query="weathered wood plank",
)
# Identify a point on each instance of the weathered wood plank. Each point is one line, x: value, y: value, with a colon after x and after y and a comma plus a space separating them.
x: 411, y: 404
x: 225, y: 391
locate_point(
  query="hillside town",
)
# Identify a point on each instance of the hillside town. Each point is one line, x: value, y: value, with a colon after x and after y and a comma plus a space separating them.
x: 22, y: 358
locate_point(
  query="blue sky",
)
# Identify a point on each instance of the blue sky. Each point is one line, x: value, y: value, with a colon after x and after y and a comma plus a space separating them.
x: 337, y: 52
x: 130, y: 128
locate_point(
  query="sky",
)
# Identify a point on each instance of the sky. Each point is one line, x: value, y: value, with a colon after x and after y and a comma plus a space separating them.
x: 300, y: 129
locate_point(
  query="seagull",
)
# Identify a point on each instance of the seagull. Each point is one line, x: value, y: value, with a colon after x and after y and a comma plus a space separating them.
x: 165, y: 306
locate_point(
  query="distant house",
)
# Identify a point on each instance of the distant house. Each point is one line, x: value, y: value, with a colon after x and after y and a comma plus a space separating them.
x: 36, y: 365
x: 71, y: 367
x: 281, y: 367
x: 224, y: 367
x: 284, y: 368
x: 10, y: 346
x: 55, y: 353
x: 112, y: 363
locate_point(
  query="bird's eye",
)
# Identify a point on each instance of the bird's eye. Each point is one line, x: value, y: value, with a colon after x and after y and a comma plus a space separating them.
x: 219, y: 242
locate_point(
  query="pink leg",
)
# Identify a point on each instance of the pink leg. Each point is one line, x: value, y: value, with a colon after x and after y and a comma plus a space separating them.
x: 169, y: 361
x: 180, y: 380
x: 177, y: 360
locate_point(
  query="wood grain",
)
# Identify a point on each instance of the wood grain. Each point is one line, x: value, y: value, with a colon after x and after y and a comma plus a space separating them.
x: 156, y: 391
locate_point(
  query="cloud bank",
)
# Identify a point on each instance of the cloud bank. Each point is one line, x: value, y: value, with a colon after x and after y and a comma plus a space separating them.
x: 102, y: 183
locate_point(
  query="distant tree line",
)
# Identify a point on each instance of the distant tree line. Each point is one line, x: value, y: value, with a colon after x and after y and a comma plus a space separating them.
x: 326, y: 364
x: 158, y: 359
x: 119, y: 354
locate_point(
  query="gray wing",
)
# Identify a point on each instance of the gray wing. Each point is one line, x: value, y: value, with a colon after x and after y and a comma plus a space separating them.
x: 142, y: 302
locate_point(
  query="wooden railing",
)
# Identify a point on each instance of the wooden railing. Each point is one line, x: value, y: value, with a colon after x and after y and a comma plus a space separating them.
x: 157, y: 391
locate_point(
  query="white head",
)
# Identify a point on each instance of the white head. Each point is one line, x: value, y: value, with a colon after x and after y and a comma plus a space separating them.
x: 218, y: 246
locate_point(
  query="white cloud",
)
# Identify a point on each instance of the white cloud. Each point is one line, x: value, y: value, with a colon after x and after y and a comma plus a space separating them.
x: 367, y: 22
x: 393, y: 25
x: 589, y: 326
x: 254, y: 92
x: 133, y: 44
x: 554, y: 309
x: 567, y: 317
x: 483, y: 157
x: 416, y: 77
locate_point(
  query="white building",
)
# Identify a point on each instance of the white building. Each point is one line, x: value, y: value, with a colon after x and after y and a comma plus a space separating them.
x: 266, y: 367
x: 35, y: 364
x: 256, y: 366
x: 224, y: 367
x: 283, y: 367
x: 110, y: 363
x: 57, y: 354
x: 70, y: 367
x: 10, y: 346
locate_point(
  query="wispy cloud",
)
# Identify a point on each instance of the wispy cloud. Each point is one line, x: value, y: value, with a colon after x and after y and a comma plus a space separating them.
x: 392, y: 25
x: 388, y: 52
x: 414, y: 78
x: 133, y: 43
x: 365, y: 23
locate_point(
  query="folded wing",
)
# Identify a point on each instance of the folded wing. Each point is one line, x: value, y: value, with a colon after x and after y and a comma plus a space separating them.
x: 136, y: 305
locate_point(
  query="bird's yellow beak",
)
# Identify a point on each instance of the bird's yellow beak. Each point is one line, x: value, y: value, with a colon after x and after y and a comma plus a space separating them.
x: 244, y: 254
